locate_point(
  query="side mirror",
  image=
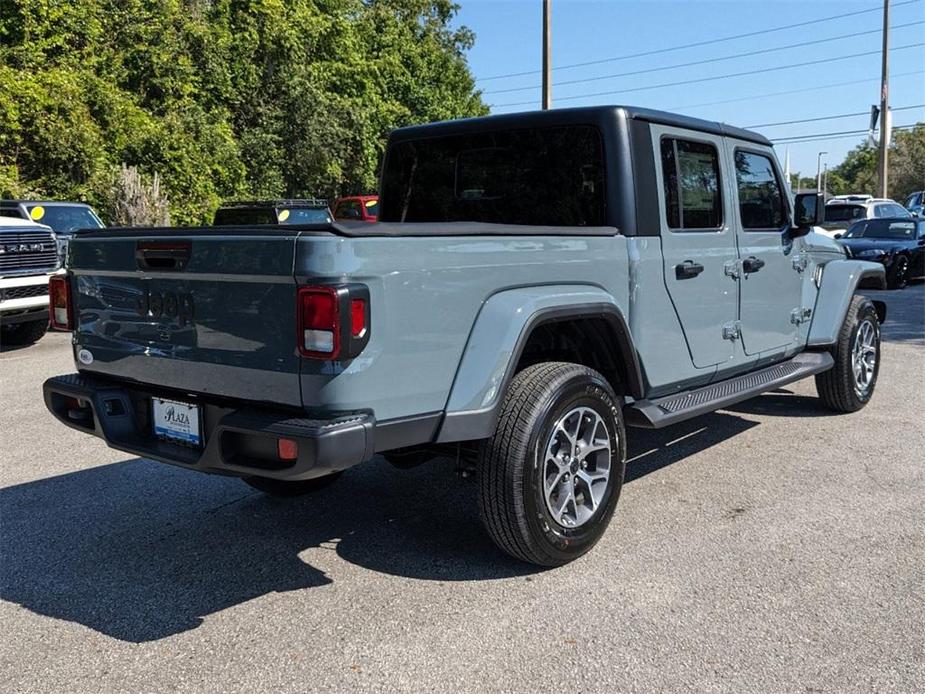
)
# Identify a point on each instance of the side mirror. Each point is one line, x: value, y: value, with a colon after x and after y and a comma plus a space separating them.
x: 837, y: 236
x: 808, y: 210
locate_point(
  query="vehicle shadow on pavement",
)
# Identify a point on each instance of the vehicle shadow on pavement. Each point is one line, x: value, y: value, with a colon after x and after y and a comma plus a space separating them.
x: 140, y: 551
x: 783, y: 403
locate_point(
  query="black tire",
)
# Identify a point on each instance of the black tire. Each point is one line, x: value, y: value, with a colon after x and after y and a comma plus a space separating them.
x: 512, y: 500
x: 898, y: 276
x: 837, y: 387
x: 289, y: 488
x: 24, y: 333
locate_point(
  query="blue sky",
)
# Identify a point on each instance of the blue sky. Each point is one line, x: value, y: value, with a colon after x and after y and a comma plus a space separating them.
x: 508, y: 40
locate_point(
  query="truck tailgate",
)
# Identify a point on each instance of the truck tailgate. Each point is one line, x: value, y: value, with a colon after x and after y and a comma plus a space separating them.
x: 202, y: 313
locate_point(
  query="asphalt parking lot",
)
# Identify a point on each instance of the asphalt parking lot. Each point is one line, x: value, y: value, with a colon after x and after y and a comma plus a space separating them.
x: 772, y: 547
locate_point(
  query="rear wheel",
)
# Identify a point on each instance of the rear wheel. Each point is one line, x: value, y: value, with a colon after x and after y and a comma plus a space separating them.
x: 550, y: 477
x: 24, y: 333
x: 289, y: 488
x: 849, y: 385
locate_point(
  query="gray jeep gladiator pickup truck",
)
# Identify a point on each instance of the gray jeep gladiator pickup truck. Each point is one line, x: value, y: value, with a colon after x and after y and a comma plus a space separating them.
x: 537, y: 281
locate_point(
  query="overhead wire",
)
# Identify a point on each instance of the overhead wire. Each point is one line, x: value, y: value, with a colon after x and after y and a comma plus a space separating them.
x: 814, y: 137
x: 814, y: 88
x: 707, y: 42
x: 714, y: 78
x: 820, y: 118
x: 707, y: 61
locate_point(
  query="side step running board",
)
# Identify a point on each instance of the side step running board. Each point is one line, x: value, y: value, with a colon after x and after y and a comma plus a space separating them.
x: 661, y: 412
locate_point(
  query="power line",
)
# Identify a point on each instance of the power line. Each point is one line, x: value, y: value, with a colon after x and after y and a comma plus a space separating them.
x: 706, y: 61
x: 716, y: 77
x: 814, y: 137
x: 708, y: 42
x: 765, y: 95
x: 843, y: 115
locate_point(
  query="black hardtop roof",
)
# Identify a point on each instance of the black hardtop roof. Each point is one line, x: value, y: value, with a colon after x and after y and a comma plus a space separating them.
x: 44, y: 203
x: 573, y: 116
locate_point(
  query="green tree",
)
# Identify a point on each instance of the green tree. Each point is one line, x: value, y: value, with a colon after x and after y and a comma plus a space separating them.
x: 858, y: 171
x: 221, y: 98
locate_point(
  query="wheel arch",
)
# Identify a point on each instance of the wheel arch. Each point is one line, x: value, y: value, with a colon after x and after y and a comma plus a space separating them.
x: 840, y: 280
x: 498, y: 345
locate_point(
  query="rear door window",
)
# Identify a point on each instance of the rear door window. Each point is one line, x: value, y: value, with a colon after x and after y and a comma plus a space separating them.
x: 533, y: 176
x: 761, y: 197
x: 693, y: 198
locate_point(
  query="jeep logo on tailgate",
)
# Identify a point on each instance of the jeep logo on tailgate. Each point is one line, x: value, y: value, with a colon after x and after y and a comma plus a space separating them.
x: 166, y: 305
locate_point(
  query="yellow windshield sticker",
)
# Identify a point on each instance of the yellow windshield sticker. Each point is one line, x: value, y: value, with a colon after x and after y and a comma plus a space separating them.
x: 37, y: 213
x: 370, y: 203
x: 283, y: 215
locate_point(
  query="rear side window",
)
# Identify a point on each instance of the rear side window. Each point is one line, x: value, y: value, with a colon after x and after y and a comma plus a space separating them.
x: 690, y: 172
x: 535, y: 176
x: 761, y: 198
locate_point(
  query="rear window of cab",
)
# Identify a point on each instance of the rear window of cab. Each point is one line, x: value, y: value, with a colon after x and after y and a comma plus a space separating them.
x: 531, y: 176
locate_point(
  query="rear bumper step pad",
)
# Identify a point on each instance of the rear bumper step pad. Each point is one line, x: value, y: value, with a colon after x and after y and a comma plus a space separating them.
x: 661, y: 412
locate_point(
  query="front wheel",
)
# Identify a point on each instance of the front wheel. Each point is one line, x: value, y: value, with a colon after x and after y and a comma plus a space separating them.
x: 849, y: 385
x: 550, y: 477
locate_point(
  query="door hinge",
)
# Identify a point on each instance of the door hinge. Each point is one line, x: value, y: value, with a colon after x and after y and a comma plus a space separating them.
x: 799, y: 262
x: 732, y: 330
x: 732, y: 269
x: 800, y: 315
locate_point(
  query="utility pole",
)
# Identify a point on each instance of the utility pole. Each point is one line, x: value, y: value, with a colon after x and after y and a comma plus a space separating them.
x: 547, y: 55
x: 825, y: 180
x: 819, y: 171
x: 884, y: 103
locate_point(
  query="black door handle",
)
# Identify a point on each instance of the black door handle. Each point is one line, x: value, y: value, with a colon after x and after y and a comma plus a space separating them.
x: 687, y: 270
x: 752, y: 264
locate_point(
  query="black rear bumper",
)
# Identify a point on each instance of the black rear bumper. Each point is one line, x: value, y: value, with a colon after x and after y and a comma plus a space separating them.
x: 238, y: 441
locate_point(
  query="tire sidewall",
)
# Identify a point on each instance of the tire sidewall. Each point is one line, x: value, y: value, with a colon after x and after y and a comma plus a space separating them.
x: 585, y: 390
x: 866, y: 312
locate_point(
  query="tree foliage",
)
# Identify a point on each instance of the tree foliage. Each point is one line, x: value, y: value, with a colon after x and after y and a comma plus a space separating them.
x: 222, y: 98
x: 858, y: 171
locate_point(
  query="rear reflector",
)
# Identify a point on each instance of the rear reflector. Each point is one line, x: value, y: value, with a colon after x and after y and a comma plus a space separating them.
x: 357, y: 317
x: 287, y: 449
x: 59, y: 303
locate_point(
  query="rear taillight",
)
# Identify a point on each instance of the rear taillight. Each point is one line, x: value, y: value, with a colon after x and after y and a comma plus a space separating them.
x: 59, y: 303
x: 319, y: 326
x: 333, y: 322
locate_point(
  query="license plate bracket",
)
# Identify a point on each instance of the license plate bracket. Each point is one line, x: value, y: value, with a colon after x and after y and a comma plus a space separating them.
x: 177, y: 422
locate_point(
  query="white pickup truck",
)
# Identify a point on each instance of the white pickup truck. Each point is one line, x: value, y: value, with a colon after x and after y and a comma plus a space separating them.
x: 28, y: 257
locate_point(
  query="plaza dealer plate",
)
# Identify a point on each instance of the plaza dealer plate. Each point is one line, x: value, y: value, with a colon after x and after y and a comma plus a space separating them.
x: 177, y: 421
